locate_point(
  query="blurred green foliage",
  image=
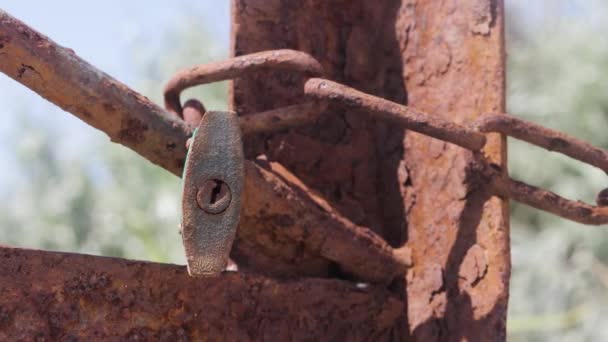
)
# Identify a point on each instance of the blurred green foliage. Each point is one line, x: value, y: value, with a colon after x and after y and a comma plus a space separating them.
x: 558, y: 77
x: 111, y: 202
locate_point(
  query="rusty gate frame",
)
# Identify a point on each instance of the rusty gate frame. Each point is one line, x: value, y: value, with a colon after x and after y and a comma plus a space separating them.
x: 441, y: 225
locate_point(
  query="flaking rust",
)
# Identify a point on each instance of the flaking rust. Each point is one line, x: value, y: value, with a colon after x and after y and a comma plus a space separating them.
x: 53, y: 296
x: 212, y: 192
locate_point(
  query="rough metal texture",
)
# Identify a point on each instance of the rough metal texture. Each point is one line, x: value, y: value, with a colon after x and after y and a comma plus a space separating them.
x: 296, y: 213
x: 216, y: 154
x: 128, y: 118
x: 470, y: 138
x: 442, y: 57
x: 344, y: 156
x: 49, y: 296
x: 271, y: 120
x: 544, y: 137
x: 453, y: 55
x: 546, y: 200
x: 553, y: 141
x: 281, y: 118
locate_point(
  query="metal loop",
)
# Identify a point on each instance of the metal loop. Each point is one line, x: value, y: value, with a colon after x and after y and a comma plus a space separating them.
x: 290, y: 60
x: 553, y: 141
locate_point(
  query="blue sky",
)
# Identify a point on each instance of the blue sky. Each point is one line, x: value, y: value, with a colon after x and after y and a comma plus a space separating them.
x: 103, y: 33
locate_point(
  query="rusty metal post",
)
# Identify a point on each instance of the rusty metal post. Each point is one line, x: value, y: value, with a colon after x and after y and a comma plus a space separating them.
x: 442, y: 57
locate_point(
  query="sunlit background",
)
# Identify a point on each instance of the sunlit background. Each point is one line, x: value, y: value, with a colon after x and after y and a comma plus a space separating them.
x: 64, y: 186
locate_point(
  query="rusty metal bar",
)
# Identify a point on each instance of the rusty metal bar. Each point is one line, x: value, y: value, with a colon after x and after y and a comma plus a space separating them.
x: 263, y: 122
x: 295, y: 213
x: 280, y: 118
x: 472, y: 139
x: 409, y: 117
x: 289, y: 60
x: 544, y: 137
x: 48, y: 296
x: 193, y: 112
x: 128, y: 118
x: 548, y: 201
x: 60, y: 76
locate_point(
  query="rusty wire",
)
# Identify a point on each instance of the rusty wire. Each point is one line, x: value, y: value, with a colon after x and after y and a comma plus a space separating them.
x: 543, y: 137
x: 408, y: 117
x: 472, y: 137
x: 289, y: 60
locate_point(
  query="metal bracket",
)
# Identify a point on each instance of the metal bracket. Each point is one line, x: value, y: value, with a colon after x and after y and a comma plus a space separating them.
x: 212, y: 187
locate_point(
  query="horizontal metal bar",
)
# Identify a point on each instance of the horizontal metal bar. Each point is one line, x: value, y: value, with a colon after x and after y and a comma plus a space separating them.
x: 62, y: 296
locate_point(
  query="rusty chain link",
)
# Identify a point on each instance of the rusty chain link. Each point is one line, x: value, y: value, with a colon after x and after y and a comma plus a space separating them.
x: 472, y: 137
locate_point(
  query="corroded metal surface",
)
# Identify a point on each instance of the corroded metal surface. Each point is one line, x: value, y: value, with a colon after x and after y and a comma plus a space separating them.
x: 212, y: 193
x: 544, y: 137
x: 303, y: 217
x: 48, y: 296
x: 281, y: 118
x: 193, y: 112
x: 439, y: 57
x: 546, y: 200
x: 453, y: 66
x: 345, y: 157
x: 472, y: 138
x: 407, y: 117
x: 553, y: 141
x: 128, y: 118
x: 131, y: 119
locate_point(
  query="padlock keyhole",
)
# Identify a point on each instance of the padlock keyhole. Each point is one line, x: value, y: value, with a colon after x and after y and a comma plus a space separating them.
x: 213, y: 196
x: 215, y: 192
